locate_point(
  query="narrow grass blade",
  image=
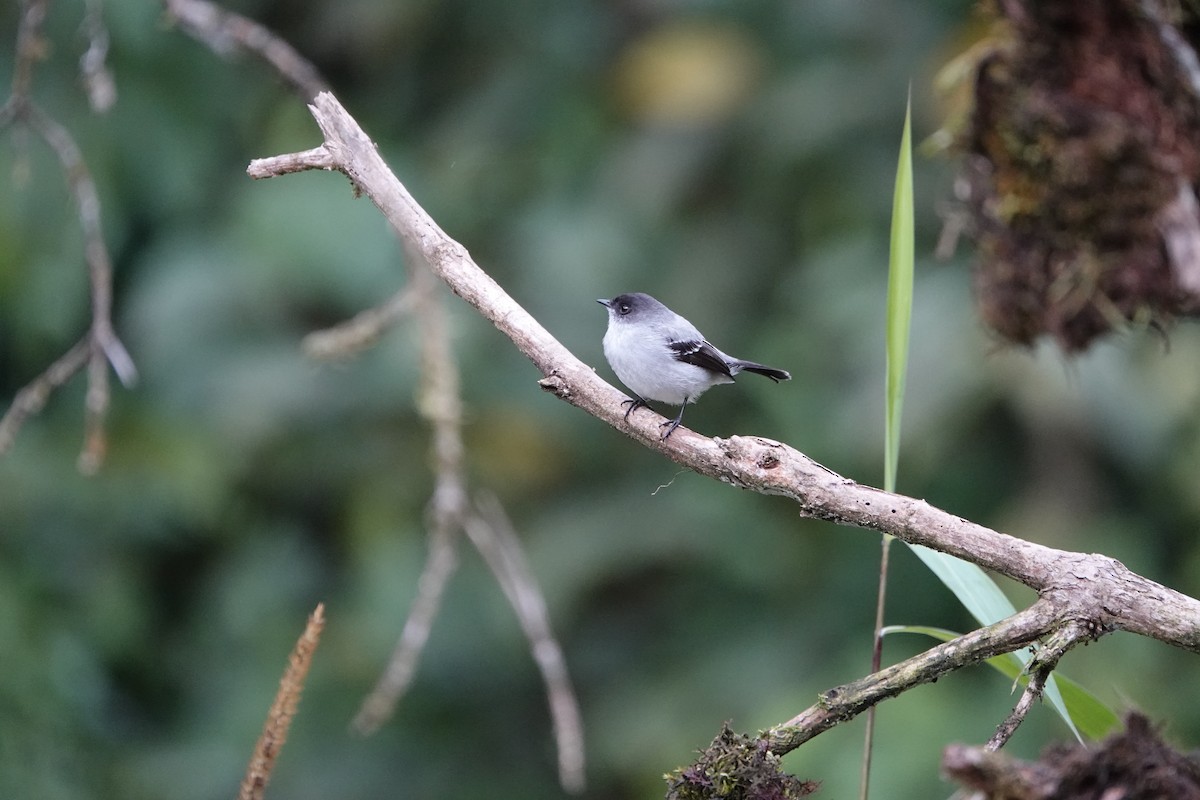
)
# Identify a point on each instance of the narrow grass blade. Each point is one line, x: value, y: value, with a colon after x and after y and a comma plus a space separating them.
x: 970, y: 584
x: 899, y: 300
x: 899, y: 319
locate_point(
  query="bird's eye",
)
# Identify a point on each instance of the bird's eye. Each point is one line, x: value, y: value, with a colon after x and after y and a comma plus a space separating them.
x: 624, y: 309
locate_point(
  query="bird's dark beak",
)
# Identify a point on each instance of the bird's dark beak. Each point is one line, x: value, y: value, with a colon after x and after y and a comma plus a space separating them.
x: 604, y: 302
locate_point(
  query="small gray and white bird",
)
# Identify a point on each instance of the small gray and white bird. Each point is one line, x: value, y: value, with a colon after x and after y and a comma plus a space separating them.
x: 661, y: 356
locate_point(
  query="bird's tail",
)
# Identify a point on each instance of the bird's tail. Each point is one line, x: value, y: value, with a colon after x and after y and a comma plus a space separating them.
x: 776, y: 375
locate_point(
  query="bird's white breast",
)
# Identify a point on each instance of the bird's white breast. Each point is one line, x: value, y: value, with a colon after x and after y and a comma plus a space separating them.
x: 646, y: 365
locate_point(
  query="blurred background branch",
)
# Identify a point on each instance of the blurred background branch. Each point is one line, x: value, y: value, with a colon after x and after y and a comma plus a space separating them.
x: 450, y: 513
x: 104, y: 348
x: 227, y: 33
x: 439, y: 402
x: 364, y: 330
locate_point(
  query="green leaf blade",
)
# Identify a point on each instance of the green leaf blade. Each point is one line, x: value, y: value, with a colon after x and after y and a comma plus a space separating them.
x: 1082, y: 712
x: 899, y: 299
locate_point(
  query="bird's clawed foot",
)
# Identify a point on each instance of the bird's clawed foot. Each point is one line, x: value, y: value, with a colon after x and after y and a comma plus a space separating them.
x: 672, y: 424
x: 636, y: 402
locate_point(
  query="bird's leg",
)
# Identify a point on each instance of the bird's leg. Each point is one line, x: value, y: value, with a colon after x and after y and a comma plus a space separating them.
x: 671, y: 425
x: 636, y: 402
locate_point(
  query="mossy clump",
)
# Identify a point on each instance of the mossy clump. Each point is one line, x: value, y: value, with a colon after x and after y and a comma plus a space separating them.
x: 736, y: 767
x: 1081, y: 161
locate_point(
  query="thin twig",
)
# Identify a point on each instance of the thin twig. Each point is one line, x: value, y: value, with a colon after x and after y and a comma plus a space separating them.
x: 283, y: 709
x: 103, y: 346
x: 31, y: 48
x: 439, y: 401
x: 33, y: 396
x: 362, y: 331
x: 440, y: 564
x: 848, y: 701
x: 316, y: 158
x: 106, y: 348
x: 493, y: 536
x: 93, y: 64
x: 440, y: 404
x: 1034, y: 688
x: 1045, y: 658
x: 226, y: 32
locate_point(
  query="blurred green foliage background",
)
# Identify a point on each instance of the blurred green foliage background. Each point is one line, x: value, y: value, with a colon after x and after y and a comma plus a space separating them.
x: 735, y: 160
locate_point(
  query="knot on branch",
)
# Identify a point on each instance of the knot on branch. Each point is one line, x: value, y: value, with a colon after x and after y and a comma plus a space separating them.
x: 449, y: 252
x: 1093, y: 592
x: 555, y: 385
x: 739, y: 767
x: 759, y: 461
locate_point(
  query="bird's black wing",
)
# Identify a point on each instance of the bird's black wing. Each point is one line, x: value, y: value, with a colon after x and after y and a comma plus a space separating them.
x: 700, y: 353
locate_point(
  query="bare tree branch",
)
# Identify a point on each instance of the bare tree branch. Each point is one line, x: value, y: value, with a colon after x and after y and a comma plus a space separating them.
x: 492, y: 534
x: 440, y: 402
x: 32, y: 398
x: 93, y: 64
x: 1032, y: 693
x: 1045, y: 659
x: 104, y: 348
x: 31, y: 48
x: 843, y: 703
x: 1081, y: 596
x: 362, y: 331
x: 226, y: 33
x: 440, y: 564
